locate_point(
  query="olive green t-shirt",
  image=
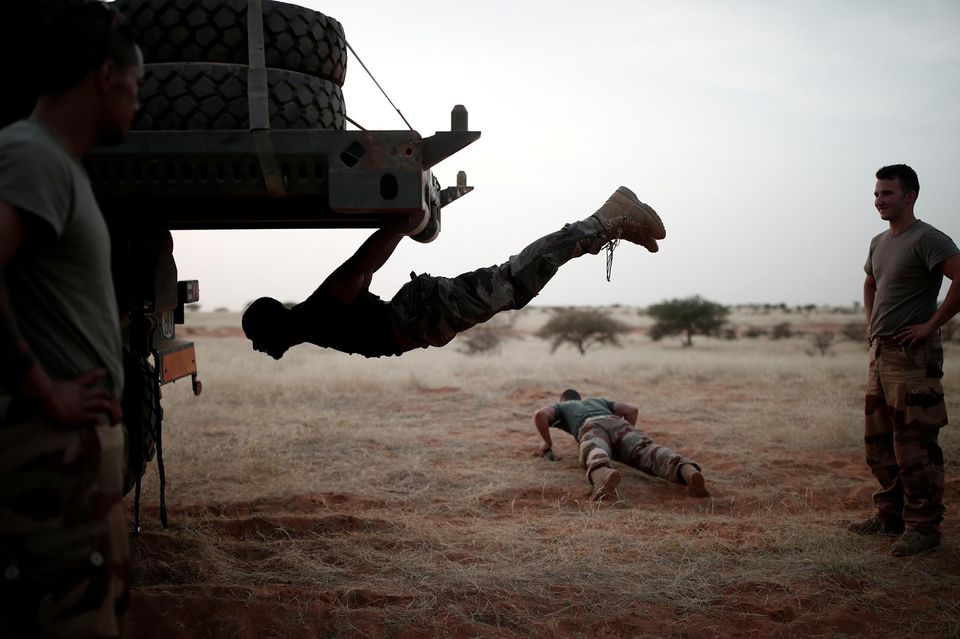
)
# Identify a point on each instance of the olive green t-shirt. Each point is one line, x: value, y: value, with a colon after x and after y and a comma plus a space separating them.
x: 60, y: 283
x: 908, y: 283
x: 571, y: 415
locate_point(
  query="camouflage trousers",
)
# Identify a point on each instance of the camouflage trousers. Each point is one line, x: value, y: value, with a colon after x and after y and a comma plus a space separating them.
x: 612, y: 438
x: 431, y: 311
x: 904, y: 411
x: 64, y: 556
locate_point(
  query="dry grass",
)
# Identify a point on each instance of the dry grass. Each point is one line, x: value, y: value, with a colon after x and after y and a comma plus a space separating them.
x: 328, y: 495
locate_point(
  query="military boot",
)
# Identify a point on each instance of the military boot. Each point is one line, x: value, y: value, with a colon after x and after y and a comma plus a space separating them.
x: 605, y: 481
x: 914, y: 542
x: 694, y: 480
x: 626, y: 217
x: 877, y: 525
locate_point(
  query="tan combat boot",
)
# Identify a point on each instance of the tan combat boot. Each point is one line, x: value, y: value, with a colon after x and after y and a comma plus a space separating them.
x: 605, y: 481
x: 694, y: 480
x: 914, y: 542
x: 635, y: 221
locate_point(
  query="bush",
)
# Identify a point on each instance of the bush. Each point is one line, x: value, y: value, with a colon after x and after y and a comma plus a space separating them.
x: 581, y: 328
x: 783, y: 330
x: 728, y: 333
x: 822, y: 341
x: 688, y: 317
x: 855, y: 331
x: 754, y: 332
x: 486, y: 338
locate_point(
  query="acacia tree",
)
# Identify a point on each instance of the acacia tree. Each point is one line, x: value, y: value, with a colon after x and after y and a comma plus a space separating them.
x: 688, y: 316
x: 582, y: 328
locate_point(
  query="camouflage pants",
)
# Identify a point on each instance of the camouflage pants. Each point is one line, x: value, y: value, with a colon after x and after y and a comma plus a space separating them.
x: 904, y: 411
x: 603, y: 439
x: 64, y: 556
x: 430, y: 310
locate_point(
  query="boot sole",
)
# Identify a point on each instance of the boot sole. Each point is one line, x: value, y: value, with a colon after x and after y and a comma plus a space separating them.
x: 696, y: 487
x: 608, y: 486
x: 657, y: 231
x: 898, y: 551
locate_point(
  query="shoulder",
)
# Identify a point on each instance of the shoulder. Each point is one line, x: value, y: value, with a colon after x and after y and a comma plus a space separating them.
x: 26, y: 141
x: 548, y: 412
x: 929, y: 235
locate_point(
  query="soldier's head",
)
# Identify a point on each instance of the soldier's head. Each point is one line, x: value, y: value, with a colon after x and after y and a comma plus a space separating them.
x: 88, y: 51
x: 570, y: 395
x: 896, y: 191
x: 266, y: 324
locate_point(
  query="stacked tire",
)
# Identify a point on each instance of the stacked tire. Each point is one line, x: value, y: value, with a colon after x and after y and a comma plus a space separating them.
x: 196, y: 55
x: 197, y: 61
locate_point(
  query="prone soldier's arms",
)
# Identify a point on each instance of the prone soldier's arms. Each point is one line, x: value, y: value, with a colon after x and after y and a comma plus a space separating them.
x: 542, y: 420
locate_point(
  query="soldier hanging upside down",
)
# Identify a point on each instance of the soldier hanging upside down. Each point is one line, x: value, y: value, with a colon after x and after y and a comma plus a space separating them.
x: 429, y: 311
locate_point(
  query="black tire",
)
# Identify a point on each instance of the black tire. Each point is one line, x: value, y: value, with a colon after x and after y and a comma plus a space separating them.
x: 295, y: 38
x: 140, y: 418
x: 200, y: 96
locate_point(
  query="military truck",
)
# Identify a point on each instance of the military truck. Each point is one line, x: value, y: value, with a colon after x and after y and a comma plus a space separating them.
x: 242, y: 125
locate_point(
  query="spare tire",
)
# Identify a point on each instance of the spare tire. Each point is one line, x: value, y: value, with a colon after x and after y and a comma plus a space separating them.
x: 295, y: 38
x: 201, y: 96
x: 141, y: 417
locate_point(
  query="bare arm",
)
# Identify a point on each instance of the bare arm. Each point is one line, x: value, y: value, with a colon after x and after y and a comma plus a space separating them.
x: 355, y: 274
x: 72, y: 402
x: 917, y: 333
x: 628, y: 411
x: 542, y: 420
x: 869, y: 294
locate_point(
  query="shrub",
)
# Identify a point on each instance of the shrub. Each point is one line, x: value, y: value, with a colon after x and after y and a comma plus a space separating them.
x: 486, y: 338
x: 855, y: 331
x: 688, y: 317
x: 754, y: 332
x: 822, y: 341
x: 581, y: 328
x: 783, y: 330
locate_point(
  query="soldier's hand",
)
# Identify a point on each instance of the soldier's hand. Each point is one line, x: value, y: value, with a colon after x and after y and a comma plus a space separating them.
x: 547, y: 452
x: 913, y: 335
x: 77, y: 403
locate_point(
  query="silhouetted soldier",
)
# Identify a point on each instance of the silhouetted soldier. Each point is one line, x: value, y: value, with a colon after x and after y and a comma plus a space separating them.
x: 430, y: 311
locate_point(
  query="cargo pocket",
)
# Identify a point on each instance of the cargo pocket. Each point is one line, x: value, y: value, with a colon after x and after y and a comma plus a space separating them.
x: 924, y: 405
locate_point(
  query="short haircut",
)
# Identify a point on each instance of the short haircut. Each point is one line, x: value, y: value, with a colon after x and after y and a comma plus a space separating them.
x: 261, y: 313
x: 907, y: 176
x: 76, y: 37
x: 570, y: 395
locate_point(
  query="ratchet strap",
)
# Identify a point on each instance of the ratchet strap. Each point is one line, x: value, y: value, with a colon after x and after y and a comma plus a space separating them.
x: 258, y: 101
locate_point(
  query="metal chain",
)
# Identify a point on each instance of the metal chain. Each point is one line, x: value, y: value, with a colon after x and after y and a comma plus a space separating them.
x: 610, y: 246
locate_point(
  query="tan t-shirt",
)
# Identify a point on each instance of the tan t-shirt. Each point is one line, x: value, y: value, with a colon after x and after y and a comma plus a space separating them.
x: 60, y: 283
x: 908, y: 283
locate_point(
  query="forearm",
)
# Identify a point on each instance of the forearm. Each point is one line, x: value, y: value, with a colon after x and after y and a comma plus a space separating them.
x: 869, y: 294
x: 949, y: 308
x: 543, y: 428
x: 20, y: 372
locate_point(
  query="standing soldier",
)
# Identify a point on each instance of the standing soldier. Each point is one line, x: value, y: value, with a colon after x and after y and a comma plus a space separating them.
x: 64, y: 558
x: 904, y: 404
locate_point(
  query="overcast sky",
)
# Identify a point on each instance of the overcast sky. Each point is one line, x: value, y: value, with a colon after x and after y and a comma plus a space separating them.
x: 754, y: 129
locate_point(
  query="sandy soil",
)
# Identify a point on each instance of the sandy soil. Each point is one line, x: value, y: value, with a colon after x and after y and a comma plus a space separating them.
x: 322, y: 497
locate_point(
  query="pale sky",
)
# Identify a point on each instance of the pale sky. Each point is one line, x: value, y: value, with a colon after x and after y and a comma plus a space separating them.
x: 753, y: 127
